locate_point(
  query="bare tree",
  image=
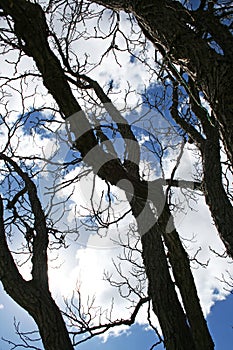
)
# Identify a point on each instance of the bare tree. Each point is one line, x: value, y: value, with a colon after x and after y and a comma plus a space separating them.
x: 183, y: 326
x: 34, y: 295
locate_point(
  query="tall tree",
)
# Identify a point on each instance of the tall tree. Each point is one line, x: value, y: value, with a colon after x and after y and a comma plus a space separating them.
x: 183, y: 326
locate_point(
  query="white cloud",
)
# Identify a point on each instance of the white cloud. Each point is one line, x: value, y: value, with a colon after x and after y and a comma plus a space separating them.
x: 198, y: 230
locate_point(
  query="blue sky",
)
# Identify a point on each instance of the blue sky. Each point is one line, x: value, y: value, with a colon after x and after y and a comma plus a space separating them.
x: 219, y: 320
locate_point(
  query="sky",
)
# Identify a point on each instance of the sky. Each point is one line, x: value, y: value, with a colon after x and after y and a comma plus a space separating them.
x: 86, y: 260
x: 137, y: 337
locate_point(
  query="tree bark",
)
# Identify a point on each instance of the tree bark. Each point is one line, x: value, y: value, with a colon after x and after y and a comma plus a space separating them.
x: 174, y: 324
x: 185, y: 282
x: 183, y: 278
x: 215, y: 194
x: 212, y: 186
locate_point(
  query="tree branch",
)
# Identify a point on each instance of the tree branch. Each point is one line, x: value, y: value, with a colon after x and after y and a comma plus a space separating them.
x: 40, y: 241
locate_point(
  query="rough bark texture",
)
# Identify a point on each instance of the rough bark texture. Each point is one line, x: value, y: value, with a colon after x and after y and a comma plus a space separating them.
x: 215, y: 195
x: 161, y: 288
x: 184, y: 280
x: 180, y: 33
x: 176, y: 331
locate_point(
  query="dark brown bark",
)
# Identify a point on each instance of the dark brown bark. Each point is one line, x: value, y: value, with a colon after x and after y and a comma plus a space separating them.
x: 50, y: 323
x: 177, y: 30
x: 185, y: 282
x: 215, y: 194
x: 176, y: 331
x: 212, y: 186
x: 180, y: 265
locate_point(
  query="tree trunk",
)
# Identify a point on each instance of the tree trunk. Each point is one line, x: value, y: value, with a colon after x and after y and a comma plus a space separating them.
x: 155, y: 260
x: 50, y: 323
x: 215, y: 194
x: 33, y: 297
x: 185, y: 282
x: 161, y: 288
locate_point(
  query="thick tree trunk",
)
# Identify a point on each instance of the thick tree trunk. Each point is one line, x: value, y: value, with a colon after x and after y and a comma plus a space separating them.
x: 174, y: 324
x: 50, y: 323
x: 185, y: 282
x: 155, y: 260
x: 33, y: 297
x: 215, y: 194
x: 43, y: 309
